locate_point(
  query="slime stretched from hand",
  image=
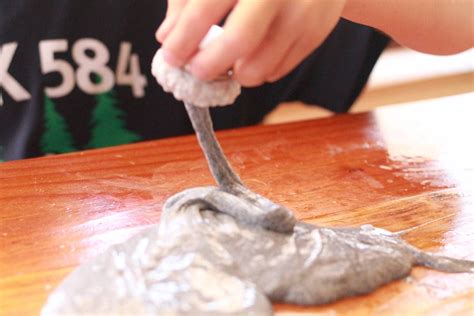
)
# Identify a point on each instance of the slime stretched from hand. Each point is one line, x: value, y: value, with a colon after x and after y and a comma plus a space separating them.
x: 228, y: 251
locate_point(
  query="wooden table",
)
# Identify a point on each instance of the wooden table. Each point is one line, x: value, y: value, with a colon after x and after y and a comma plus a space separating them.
x: 396, y: 168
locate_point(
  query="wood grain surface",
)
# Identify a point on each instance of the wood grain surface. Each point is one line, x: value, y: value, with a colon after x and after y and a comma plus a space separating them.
x: 397, y: 168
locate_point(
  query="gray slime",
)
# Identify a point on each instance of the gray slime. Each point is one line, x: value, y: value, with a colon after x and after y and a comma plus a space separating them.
x: 228, y: 251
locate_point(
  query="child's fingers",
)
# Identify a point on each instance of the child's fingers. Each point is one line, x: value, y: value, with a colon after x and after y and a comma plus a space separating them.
x: 244, y: 30
x: 194, y: 21
x: 173, y: 12
x: 284, y: 32
x: 320, y: 18
x: 299, y: 50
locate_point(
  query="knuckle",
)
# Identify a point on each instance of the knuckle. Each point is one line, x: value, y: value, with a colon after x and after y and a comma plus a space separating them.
x: 232, y: 42
x: 203, y: 11
x: 194, y: 17
x: 250, y: 76
x: 274, y: 76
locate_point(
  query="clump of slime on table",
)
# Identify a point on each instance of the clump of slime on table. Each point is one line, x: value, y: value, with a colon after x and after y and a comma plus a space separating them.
x: 226, y: 250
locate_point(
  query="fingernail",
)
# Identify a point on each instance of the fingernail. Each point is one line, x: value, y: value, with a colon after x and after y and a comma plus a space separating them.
x: 171, y: 59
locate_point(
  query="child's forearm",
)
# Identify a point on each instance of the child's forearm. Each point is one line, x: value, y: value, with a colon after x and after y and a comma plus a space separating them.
x: 432, y: 26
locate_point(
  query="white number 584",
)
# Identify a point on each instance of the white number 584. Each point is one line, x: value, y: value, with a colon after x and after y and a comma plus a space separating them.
x: 93, y: 63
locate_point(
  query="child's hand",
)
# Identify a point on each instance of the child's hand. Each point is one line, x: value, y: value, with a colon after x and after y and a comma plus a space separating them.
x: 263, y: 40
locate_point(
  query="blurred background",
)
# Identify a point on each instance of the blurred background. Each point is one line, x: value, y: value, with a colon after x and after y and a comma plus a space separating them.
x: 401, y: 75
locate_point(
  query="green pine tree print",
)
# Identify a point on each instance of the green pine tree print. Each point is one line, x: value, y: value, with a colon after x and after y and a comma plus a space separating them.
x: 109, y: 124
x: 56, y: 138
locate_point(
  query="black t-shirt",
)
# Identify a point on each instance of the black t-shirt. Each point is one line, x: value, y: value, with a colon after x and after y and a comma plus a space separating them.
x: 75, y: 74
